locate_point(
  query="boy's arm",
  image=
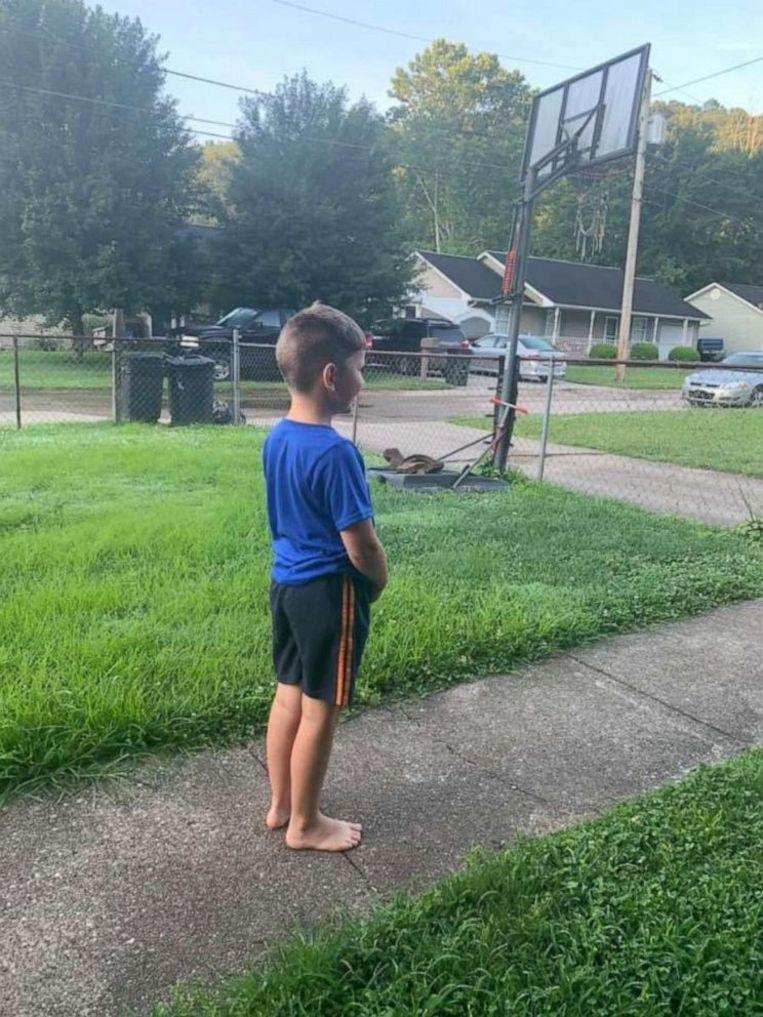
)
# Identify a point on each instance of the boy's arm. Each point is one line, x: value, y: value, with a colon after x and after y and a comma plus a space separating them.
x: 365, y: 551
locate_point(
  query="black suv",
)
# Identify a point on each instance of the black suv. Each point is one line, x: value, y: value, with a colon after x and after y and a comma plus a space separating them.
x: 404, y: 335
x: 257, y: 327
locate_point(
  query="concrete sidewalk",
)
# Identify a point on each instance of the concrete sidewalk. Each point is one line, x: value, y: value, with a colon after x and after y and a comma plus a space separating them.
x: 110, y: 897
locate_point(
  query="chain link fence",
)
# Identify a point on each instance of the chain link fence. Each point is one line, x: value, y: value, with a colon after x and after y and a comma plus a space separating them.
x: 679, y: 439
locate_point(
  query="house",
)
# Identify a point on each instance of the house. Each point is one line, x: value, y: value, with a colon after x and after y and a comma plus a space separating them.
x: 572, y: 304
x: 736, y: 310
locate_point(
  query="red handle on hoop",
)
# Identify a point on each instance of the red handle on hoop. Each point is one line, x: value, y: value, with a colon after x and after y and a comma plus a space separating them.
x: 512, y: 406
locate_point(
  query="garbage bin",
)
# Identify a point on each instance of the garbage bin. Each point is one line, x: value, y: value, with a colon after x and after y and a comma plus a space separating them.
x: 141, y: 386
x: 192, y: 390
x: 456, y: 367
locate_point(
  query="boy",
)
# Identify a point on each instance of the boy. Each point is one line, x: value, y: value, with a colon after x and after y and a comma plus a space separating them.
x: 329, y: 568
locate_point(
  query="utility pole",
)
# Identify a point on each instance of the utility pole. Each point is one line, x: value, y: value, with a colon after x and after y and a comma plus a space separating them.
x: 629, y: 276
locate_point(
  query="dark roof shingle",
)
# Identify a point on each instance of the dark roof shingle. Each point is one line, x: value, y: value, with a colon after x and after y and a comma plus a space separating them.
x: 576, y: 284
x: 469, y: 274
x: 752, y: 294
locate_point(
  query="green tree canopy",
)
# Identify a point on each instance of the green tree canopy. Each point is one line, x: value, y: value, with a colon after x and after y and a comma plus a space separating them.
x: 311, y: 212
x: 91, y: 195
x: 458, y: 132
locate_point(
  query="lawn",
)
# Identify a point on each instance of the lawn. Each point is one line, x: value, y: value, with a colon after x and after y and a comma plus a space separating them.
x: 60, y: 369
x: 654, y: 909
x: 135, y: 587
x: 726, y: 440
x: 635, y: 377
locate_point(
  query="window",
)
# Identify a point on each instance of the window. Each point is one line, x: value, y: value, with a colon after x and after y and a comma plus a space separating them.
x: 611, y: 326
x: 532, y: 342
x: 410, y: 311
x: 269, y: 319
x: 639, y: 327
x: 241, y: 318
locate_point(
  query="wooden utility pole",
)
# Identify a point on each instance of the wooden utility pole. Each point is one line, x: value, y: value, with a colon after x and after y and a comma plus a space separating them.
x: 637, y: 199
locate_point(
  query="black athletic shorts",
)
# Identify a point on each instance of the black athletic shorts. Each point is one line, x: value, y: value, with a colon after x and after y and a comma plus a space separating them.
x: 319, y: 634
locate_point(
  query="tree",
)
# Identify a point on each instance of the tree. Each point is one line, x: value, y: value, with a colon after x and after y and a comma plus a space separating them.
x: 458, y: 135
x: 700, y: 219
x: 91, y: 195
x: 311, y: 212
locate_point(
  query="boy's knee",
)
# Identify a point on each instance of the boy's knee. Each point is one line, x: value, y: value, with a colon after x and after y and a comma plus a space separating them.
x: 318, y: 711
x: 289, y: 698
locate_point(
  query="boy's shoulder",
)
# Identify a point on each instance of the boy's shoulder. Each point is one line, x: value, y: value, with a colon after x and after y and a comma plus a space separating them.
x: 314, y: 442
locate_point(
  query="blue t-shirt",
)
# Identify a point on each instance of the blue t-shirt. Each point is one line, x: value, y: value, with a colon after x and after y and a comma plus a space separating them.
x: 316, y: 487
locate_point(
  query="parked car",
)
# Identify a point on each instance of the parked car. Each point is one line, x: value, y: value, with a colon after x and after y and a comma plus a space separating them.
x: 716, y: 387
x: 535, y: 353
x: 257, y: 326
x: 405, y: 335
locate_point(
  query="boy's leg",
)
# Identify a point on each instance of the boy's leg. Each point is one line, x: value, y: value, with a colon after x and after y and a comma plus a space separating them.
x: 308, y: 827
x: 285, y: 716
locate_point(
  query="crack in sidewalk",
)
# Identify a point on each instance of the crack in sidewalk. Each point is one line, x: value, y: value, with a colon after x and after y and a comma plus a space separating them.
x: 656, y: 699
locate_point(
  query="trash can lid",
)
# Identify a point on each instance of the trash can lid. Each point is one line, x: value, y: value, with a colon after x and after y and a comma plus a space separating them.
x: 193, y: 362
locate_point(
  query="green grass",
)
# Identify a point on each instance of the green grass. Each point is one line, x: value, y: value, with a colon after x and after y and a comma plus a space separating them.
x: 635, y: 377
x: 56, y: 369
x: 654, y: 909
x: 60, y: 369
x: 726, y: 440
x: 134, y: 589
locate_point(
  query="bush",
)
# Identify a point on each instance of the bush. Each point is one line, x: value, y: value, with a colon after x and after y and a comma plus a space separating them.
x: 644, y: 351
x: 602, y: 351
x: 683, y: 353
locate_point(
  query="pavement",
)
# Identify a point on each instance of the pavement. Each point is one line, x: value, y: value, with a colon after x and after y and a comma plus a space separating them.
x: 111, y: 896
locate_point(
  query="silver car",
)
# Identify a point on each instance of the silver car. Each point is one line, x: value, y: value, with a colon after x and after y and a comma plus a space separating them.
x: 716, y: 387
x: 535, y: 354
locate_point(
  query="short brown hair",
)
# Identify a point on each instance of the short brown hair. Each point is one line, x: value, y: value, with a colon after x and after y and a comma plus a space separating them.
x: 312, y: 338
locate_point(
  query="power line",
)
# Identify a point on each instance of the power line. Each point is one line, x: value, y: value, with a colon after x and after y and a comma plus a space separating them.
x: 408, y: 35
x: 707, y: 208
x: 696, y: 81
x: 41, y: 33
x: 108, y: 102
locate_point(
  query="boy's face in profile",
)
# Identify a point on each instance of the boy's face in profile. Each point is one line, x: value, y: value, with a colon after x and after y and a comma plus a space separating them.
x: 343, y: 381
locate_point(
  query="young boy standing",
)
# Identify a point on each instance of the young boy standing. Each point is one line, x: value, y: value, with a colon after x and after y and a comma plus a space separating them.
x: 329, y: 567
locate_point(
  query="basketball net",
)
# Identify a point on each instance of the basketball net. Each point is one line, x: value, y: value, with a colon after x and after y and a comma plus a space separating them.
x: 591, y: 220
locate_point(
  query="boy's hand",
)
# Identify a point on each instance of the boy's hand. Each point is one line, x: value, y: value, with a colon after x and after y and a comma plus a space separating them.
x: 365, y: 551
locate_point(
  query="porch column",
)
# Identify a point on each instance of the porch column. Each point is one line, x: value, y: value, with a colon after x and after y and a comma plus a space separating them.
x: 556, y: 324
x: 685, y: 332
x: 590, y: 331
x: 656, y: 329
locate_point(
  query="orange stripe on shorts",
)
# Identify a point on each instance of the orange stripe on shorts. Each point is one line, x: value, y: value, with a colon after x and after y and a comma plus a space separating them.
x: 342, y: 662
x: 351, y: 646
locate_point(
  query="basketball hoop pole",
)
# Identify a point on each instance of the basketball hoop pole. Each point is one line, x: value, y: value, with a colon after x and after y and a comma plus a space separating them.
x: 532, y: 186
x: 510, y: 382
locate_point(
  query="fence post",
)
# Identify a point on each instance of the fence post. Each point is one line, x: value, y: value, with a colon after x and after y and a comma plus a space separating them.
x: 236, y: 373
x: 115, y: 400
x: 546, y: 419
x: 355, y: 408
x: 17, y: 381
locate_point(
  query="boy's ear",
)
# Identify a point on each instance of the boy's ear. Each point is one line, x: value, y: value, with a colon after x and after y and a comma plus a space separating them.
x: 329, y: 377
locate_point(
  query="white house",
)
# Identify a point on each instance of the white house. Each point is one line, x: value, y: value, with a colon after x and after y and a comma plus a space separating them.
x: 574, y: 305
x: 737, y: 314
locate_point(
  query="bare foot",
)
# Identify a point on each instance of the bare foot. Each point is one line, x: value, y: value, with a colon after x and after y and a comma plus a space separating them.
x: 325, y: 835
x: 277, y: 817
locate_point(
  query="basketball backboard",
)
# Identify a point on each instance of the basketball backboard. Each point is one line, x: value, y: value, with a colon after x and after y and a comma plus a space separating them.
x: 588, y: 119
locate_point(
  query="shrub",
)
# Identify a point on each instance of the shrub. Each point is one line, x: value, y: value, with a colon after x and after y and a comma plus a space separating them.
x: 602, y: 351
x: 683, y: 353
x: 644, y: 351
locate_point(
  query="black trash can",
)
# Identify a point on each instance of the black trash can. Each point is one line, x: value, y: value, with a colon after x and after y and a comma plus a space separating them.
x: 192, y: 390
x: 141, y: 386
x: 455, y: 369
